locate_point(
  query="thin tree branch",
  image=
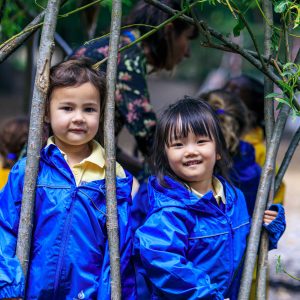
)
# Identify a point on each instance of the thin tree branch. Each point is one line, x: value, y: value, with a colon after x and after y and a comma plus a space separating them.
x: 231, y: 45
x: 96, y: 65
x: 262, y: 269
x: 12, y: 45
x: 260, y: 204
x: 109, y: 142
x: 253, y: 40
x: 35, y: 134
x: 287, y: 159
x: 226, y: 42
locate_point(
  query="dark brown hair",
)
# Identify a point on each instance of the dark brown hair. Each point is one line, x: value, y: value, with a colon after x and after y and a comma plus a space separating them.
x: 73, y: 73
x: 193, y: 116
x: 13, y: 137
x: 159, y: 44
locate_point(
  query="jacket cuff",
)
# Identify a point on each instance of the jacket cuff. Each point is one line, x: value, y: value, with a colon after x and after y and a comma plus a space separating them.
x: 277, y: 227
x: 12, y: 291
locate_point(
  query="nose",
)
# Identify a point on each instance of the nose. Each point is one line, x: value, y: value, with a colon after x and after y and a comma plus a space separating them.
x: 78, y: 117
x: 191, y: 150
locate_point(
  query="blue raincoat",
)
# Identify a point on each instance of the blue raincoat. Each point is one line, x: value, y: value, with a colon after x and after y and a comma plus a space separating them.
x: 245, y: 173
x: 189, y: 248
x: 69, y: 253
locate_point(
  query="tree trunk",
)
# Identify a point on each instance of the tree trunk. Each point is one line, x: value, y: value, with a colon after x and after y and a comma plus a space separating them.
x: 109, y: 142
x: 262, y: 270
x: 35, y: 134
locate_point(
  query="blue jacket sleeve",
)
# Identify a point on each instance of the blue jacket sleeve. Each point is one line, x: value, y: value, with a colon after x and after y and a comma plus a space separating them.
x: 11, y: 275
x: 126, y: 264
x: 277, y: 227
x: 162, y: 244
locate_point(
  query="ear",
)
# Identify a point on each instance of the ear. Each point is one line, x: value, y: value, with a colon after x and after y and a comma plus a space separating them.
x: 218, y: 156
x: 47, y: 119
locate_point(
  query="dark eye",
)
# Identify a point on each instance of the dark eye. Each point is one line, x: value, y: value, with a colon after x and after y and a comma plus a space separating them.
x: 176, y: 145
x: 89, y: 109
x: 66, y: 108
x: 201, y: 141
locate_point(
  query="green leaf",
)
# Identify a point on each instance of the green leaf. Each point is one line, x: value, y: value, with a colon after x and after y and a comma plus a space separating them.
x: 238, y: 27
x: 272, y: 95
x: 281, y: 6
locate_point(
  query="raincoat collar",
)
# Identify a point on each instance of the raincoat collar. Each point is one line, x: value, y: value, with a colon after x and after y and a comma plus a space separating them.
x: 179, y: 196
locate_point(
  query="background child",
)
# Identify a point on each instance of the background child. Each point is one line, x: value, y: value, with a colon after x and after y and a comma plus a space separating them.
x: 69, y: 255
x: 251, y: 92
x: 194, y: 238
x: 233, y: 116
x: 13, y: 137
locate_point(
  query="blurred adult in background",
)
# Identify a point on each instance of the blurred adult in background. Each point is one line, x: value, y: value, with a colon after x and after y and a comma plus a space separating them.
x: 162, y: 50
x: 13, y: 137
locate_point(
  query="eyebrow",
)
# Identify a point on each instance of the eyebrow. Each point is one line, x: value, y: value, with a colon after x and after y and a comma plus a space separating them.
x: 72, y: 103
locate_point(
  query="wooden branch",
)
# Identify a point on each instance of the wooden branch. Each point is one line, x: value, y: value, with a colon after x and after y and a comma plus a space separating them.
x: 10, y: 46
x: 287, y: 159
x: 109, y: 142
x: 35, y: 134
x: 253, y: 40
x: 262, y: 269
x: 260, y: 204
x: 248, y: 55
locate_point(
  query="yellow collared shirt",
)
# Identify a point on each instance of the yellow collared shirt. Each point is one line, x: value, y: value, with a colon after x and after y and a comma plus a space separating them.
x: 93, y: 167
x: 218, y: 191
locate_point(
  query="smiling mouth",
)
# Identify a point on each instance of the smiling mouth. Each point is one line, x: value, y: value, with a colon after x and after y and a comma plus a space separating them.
x: 77, y: 130
x: 192, y: 163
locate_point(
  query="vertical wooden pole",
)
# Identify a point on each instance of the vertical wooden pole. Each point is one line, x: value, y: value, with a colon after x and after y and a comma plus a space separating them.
x: 109, y: 142
x: 262, y: 269
x: 35, y: 134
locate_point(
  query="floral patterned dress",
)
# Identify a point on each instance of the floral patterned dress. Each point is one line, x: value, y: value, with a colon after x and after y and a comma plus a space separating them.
x: 133, y: 108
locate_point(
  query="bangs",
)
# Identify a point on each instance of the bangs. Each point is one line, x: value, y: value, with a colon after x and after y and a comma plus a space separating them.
x: 180, y: 125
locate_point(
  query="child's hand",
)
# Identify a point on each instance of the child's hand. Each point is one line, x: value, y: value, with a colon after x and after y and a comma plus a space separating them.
x: 269, y: 216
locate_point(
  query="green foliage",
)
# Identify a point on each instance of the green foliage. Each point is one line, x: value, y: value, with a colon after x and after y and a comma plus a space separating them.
x: 290, y: 74
x: 238, y: 27
x: 290, y: 11
x: 15, y: 18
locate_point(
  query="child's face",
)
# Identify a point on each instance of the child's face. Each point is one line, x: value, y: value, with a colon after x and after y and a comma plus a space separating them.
x: 74, y: 114
x: 192, y: 159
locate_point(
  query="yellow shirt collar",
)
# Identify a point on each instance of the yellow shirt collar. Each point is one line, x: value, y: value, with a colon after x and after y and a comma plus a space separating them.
x: 218, y: 191
x: 96, y: 157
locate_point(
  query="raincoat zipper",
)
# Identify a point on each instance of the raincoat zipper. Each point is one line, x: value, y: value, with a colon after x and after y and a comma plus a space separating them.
x: 66, y: 230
